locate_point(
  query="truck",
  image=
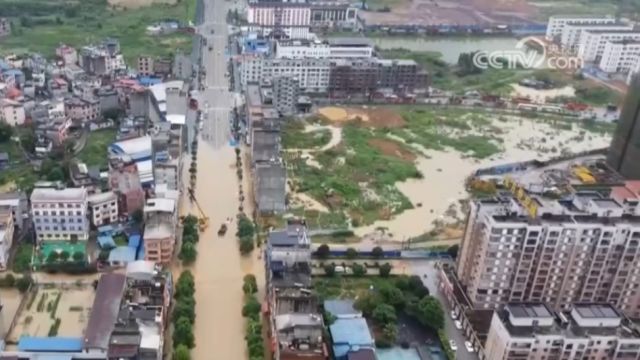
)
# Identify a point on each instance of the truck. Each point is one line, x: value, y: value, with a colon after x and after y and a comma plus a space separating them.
x: 222, y: 230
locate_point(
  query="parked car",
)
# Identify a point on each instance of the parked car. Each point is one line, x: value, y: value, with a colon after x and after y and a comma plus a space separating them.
x: 458, y: 324
x: 469, y: 347
x: 453, y: 315
x: 453, y: 345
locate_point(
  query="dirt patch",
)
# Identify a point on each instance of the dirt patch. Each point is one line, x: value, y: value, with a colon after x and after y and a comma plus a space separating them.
x: 392, y: 148
x: 375, y: 117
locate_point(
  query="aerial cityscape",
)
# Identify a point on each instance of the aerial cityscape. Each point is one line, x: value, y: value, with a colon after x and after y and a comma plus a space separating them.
x: 319, y: 179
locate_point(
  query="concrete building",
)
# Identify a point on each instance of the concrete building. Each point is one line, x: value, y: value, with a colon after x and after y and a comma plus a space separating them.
x: 108, y: 98
x: 145, y: 65
x: 7, y: 228
x: 270, y: 188
x: 182, y: 66
x: 19, y: 205
x: 285, y: 94
x: 582, y: 250
x: 312, y: 74
x: 624, y: 155
x: 557, y: 23
x: 621, y: 56
x: 160, y: 230
x: 82, y: 109
x: 60, y: 214
x: 571, y: 36
x: 124, y: 180
x: 334, y: 48
x: 12, y: 112
x: 333, y: 14
x: 103, y: 208
x: 67, y: 54
x: 593, y: 42
x: 532, y: 331
x: 5, y: 27
x: 365, y: 76
x: 288, y: 18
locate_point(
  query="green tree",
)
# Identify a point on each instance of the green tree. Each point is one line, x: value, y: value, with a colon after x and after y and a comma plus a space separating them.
x: 6, y: 132
x: 28, y: 141
x: 250, y: 285
x: 358, y: 270
x: 182, y: 353
x: 417, y: 287
x: 367, y: 303
x: 245, y: 227
x: 246, y: 245
x: 391, y: 295
x: 384, y: 313
x: 185, y: 287
x: 78, y: 256
x: 377, y: 252
x: 183, y: 333
x: 389, y: 333
x: 251, y: 308
x: 385, y: 270
x: 188, y: 252
x: 430, y: 313
x: 330, y: 270
x: 64, y: 255
x: 56, y: 174
x: 351, y: 253
x: 52, y: 257
x: 23, y: 283
x: 185, y: 308
x: 323, y: 251
x: 453, y: 251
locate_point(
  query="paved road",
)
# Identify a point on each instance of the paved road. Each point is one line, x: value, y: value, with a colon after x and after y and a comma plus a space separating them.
x: 431, y: 282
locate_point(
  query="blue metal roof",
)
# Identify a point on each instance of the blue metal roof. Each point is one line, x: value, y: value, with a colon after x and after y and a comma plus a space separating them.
x: 122, y: 254
x: 340, y: 308
x: 106, y: 241
x: 105, y: 229
x: 50, y: 344
x: 134, y: 241
x: 350, y: 333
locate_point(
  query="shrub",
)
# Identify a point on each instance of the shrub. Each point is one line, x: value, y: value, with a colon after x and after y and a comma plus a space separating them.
x: 358, y: 270
x: 385, y: 270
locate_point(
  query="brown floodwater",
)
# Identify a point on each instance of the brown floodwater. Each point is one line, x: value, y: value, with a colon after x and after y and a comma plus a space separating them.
x: 219, y: 269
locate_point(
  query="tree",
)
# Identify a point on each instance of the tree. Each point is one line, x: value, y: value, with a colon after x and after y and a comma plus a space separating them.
x: 323, y: 251
x: 392, y: 295
x: 185, y: 309
x: 417, y: 287
x: 358, y: 270
x: 183, y: 333
x: 56, y: 174
x: 23, y: 283
x: 389, y: 333
x: 385, y: 270
x: 137, y: 216
x: 351, y: 253
x: 367, y: 303
x: 430, y: 313
x: 330, y: 270
x: 78, y: 256
x: 188, y: 252
x: 245, y: 227
x: 251, y: 308
x: 453, y: 250
x: 246, y: 245
x: 28, y: 141
x: 181, y: 353
x: 250, y: 285
x: 6, y: 132
x: 185, y: 287
x: 64, y: 255
x: 377, y: 252
x: 384, y: 313
x: 52, y: 257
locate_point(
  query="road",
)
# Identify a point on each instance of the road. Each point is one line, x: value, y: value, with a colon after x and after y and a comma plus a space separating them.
x: 219, y: 269
x: 431, y: 282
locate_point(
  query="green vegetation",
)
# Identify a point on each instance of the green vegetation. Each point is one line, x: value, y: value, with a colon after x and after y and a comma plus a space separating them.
x: 246, y: 234
x: 22, y: 259
x: 19, y: 173
x: 190, y: 237
x: 184, y: 312
x: 95, y: 151
x: 578, y: 7
x: 53, y: 330
x: 41, y: 25
x: 251, y: 311
x: 181, y: 353
x: 57, y: 255
x: 294, y: 136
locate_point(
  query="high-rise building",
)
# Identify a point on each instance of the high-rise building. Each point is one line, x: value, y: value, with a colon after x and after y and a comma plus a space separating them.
x: 285, y: 94
x: 624, y: 153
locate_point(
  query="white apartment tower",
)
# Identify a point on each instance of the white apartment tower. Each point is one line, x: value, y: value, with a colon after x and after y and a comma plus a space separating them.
x: 571, y: 36
x: 60, y: 214
x: 587, y: 251
x: 557, y: 23
x: 620, y: 56
x: 104, y: 208
x: 593, y: 42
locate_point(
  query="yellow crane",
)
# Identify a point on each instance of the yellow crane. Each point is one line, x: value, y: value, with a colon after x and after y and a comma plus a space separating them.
x: 203, y: 220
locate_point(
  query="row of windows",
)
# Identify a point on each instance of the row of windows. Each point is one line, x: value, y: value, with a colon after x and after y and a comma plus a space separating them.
x: 57, y: 213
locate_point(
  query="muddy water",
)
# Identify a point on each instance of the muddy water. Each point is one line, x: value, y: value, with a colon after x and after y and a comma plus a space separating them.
x: 219, y: 328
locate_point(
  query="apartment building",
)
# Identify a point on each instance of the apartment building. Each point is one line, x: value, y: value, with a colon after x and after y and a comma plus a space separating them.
x: 333, y: 14
x: 104, y: 208
x: 335, y: 48
x: 620, y: 56
x: 160, y: 229
x: 557, y: 23
x: 124, y: 180
x: 7, y: 228
x: 145, y: 65
x: 593, y: 42
x: 285, y: 94
x: 18, y: 203
x: 312, y: 74
x: 60, y: 214
x: 365, y: 76
x: 571, y: 35
x: 583, y: 250
x: 12, y: 112
x: 532, y: 331
x: 83, y: 109
x: 67, y: 54
x: 295, y: 325
x: 289, y: 18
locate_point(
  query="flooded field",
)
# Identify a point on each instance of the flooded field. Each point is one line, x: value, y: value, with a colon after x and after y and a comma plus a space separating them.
x: 10, y: 300
x: 72, y: 305
x: 219, y: 327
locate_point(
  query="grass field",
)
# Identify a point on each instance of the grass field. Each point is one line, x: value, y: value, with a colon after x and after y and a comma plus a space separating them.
x: 41, y: 25
x: 20, y: 172
x: 294, y: 136
x: 95, y: 152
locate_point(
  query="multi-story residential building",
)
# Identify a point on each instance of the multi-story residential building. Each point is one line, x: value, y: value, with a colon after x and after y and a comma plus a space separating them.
x: 585, y: 250
x: 335, y: 48
x: 295, y: 326
x: 571, y: 36
x: 19, y: 205
x: 67, y: 54
x: 60, y: 214
x: 624, y: 154
x: 103, y: 208
x: 12, y: 112
x: 620, y: 56
x: 531, y: 331
x: 365, y: 76
x: 333, y: 14
x: 162, y: 66
x: 82, y: 109
x: 557, y: 23
x: 124, y: 180
x: 159, y: 233
x: 145, y: 65
x: 285, y: 94
x: 592, y: 43
x: 6, y: 235
x: 312, y: 74
x: 290, y: 18
x: 103, y: 59
x: 5, y: 27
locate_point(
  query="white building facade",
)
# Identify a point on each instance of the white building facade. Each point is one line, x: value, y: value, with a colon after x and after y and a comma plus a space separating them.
x: 338, y: 48
x: 620, y: 56
x: 104, y: 208
x: 571, y: 35
x: 312, y: 75
x: 6, y: 235
x: 60, y: 214
x: 557, y: 23
x: 12, y: 112
x: 592, y: 43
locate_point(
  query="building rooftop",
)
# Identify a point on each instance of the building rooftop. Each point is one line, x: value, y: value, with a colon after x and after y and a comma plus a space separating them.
x: 56, y: 195
x: 102, y: 197
x: 253, y: 95
x: 104, y: 311
x: 287, y: 321
x: 270, y: 184
x: 341, y: 308
x: 50, y: 344
x: 351, y: 42
x: 350, y: 334
x: 122, y: 255
x: 266, y: 145
x: 160, y: 205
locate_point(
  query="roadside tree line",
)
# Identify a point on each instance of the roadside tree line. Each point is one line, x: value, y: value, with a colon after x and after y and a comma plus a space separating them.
x: 251, y: 312
x: 184, y: 316
x: 190, y: 238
